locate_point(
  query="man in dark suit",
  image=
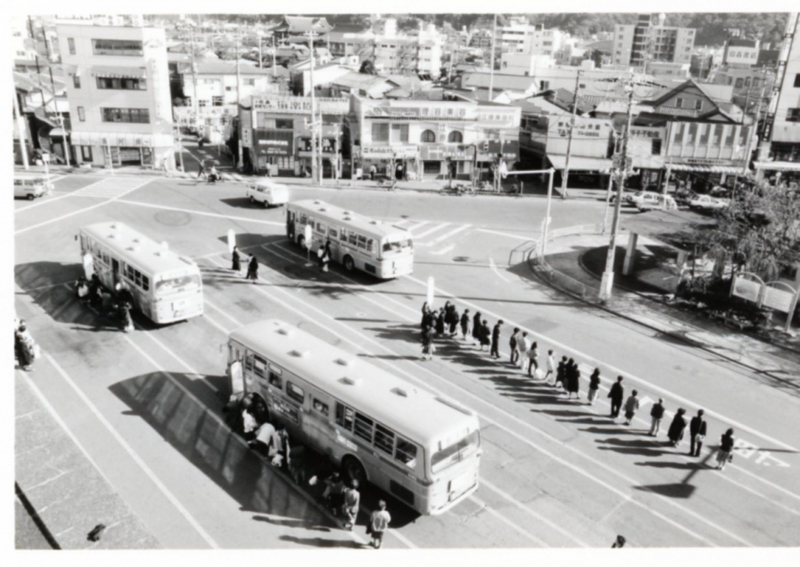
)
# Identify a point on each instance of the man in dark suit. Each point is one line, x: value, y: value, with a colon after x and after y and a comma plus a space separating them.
x: 697, y: 431
x: 617, y: 393
x: 496, y: 340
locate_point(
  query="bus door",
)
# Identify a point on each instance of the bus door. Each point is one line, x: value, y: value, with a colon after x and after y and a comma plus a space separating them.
x: 114, y: 273
x: 290, y: 216
x: 236, y: 370
x: 88, y: 266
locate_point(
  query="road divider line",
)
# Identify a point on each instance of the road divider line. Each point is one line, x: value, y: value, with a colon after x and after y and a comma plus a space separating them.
x: 200, y: 213
x: 138, y: 460
x: 493, y: 266
x: 516, y: 236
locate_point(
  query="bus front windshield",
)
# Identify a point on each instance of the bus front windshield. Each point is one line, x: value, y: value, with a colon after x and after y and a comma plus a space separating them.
x: 395, y: 245
x: 178, y: 284
x: 456, y: 452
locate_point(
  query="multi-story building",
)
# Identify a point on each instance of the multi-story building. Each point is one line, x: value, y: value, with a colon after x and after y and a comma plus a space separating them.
x: 119, y: 95
x: 420, y: 53
x: 650, y: 40
x: 740, y: 52
x: 217, y: 83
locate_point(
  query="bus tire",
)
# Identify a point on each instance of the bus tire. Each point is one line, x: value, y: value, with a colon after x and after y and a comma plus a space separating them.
x: 352, y: 469
x: 301, y: 240
x: 349, y: 265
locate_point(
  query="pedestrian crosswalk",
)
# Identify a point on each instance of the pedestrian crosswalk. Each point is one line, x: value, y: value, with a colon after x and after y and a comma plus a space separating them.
x: 429, y: 234
x: 112, y: 187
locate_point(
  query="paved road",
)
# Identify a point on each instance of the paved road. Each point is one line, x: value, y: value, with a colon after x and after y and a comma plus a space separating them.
x: 556, y: 473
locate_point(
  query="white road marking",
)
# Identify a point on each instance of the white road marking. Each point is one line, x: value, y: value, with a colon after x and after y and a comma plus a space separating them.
x: 150, y: 474
x: 200, y: 213
x: 111, y: 188
x: 451, y: 233
x: 431, y: 230
x: 495, y: 270
x: 443, y: 251
x: 416, y: 226
x: 427, y: 385
x: 43, y: 202
x: 518, y: 237
x: 484, y: 506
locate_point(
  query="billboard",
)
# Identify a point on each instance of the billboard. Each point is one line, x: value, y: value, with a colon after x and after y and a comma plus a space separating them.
x: 273, y: 142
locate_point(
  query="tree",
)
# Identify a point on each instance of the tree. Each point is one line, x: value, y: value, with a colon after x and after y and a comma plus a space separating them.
x: 367, y: 67
x: 759, y: 231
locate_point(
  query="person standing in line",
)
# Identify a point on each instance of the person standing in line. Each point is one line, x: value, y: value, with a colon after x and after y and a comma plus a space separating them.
x: 24, y: 347
x: 496, y: 339
x: 697, y: 432
x: 573, y: 380
x: 533, y: 358
x: 334, y: 492
x: 551, y: 367
x: 616, y: 394
x: 561, y: 372
x: 350, y: 507
x: 252, y: 269
x: 326, y: 255
x: 677, y: 427
x: 379, y: 523
x: 619, y: 542
x: 440, y: 322
x: 512, y: 345
x: 126, y: 321
x: 454, y: 321
x: 656, y: 414
x: 486, y: 334
x: 631, y: 405
x: 594, y: 385
x: 201, y: 172
x: 236, y: 261
x: 427, y: 344
x: 424, y: 321
x: 465, y: 324
x: 725, y: 454
x: 477, y: 328
x: 523, y: 344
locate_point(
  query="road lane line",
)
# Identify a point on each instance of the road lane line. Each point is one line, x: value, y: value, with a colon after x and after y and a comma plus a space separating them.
x: 526, y: 239
x: 444, y: 250
x: 412, y: 228
x: 70, y: 194
x: 493, y: 266
x: 427, y: 385
x: 613, y: 369
x: 151, y: 475
x: 451, y: 233
x: 200, y: 213
x: 509, y: 523
x: 222, y: 312
x: 431, y: 230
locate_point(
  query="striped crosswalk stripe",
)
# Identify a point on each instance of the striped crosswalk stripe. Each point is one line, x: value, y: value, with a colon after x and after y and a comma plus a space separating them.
x: 431, y: 230
x: 112, y: 187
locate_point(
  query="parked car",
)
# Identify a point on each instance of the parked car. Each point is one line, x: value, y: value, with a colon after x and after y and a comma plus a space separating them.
x: 31, y: 185
x: 660, y: 203
x: 683, y: 195
x: 643, y: 197
x: 267, y: 192
x: 707, y: 203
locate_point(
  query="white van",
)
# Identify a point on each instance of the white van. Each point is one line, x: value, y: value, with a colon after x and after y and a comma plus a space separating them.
x: 31, y: 185
x: 267, y: 192
x: 657, y: 202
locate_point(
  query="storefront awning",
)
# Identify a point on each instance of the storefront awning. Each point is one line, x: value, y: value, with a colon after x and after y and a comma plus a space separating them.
x: 57, y: 132
x: 119, y: 72
x: 727, y: 169
x: 778, y: 165
x: 121, y: 139
x: 577, y: 163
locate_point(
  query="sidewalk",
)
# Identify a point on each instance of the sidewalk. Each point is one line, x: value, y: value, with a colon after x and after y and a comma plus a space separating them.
x: 578, y: 258
x: 62, y: 488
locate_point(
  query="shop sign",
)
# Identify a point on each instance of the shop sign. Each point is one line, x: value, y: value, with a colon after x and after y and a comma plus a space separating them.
x: 746, y: 289
x: 433, y: 152
x: 778, y: 299
x: 708, y: 162
x: 274, y: 142
x: 301, y: 105
x: 488, y: 149
x: 328, y: 145
x: 446, y: 111
x: 388, y: 152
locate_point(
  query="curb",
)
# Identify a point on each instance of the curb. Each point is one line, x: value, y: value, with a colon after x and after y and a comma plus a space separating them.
x: 688, y: 342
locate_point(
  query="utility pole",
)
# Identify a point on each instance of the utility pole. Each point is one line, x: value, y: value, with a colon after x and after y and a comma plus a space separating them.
x: 748, y: 148
x: 607, y: 282
x: 311, y: 35
x: 260, y: 53
x: 60, y: 118
x: 195, y: 105
x: 238, y: 103
x: 22, y: 132
x: 491, y: 69
x: 274, y: 55
x: 565, y: 173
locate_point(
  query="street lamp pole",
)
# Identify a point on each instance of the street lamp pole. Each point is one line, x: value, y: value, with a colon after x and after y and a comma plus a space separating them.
x: 491, y: 69
x: 546, y: 221
x: 565, y: 173
x: 607, y: 281
x: 314, y: 171
x: 238, y: 104
x: 22, y: 132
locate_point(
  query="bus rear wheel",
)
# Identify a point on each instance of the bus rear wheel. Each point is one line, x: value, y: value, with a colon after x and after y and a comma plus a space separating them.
x: 349, y: 265
x: 354, y: 470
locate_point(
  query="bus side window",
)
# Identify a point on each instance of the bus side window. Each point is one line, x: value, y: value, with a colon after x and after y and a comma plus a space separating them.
x: 371, y: 245
x: 362, y: 242
x: 384, y: 439
x: 275, y: 380
x: 344, y: 416
x: 248, y: 362
x: 145, y: 282
x: 363, y: 427
x: 320, y: 228
x: 353, y: 238
x: 295, y: 392
x: 406, y: 453
x: 332, y: 233
x: 260, y: 366
x: 303, y: 218
x: 343, y: 235
x: 320, y: 407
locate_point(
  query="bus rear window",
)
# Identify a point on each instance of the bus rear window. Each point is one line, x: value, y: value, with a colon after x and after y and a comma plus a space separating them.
x: 454, y: 453
x: 181, y: 283
x: 406, y: 453
x: 397, y: 245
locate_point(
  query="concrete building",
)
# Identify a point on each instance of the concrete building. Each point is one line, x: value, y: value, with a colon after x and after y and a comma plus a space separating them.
x: 650, y: 40
x: 119, y: 95
x: 740, y: 52
x: 216, y: 82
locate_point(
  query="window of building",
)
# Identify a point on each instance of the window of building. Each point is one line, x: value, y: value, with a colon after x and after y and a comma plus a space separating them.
x: 202, y: 103
x: 131, y: 115
x: 747, y: 81
x: 216, y: 101
x: 380, y: 132
x: 698, y: 105
x: 655, y: 147
x: 229, y: 89
x: 544, y: 85
x: 793, y: 115
x: 692, y: 132
x: 455, y: 137
x: 86, y: 153
x: 704, y: 133
x: 797, y: 81
x: 108, y: 83
x: 284, y: 124
x: 739, y: 83
x: 730, y: 137
x: 679, y: 102
x: 117, y: 47
x: 81, y: 114
x: 250, y: 82
x: 71, y: 44
x: 428, y: 137
x: 76, y: 81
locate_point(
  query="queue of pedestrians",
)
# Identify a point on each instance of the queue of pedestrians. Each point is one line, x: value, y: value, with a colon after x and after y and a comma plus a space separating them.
x: 566, y: 375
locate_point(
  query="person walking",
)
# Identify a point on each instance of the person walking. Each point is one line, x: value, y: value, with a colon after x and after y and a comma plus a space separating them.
x: 523, y: 344
x: 631, y: 405
x: 573, y: 380
x: 440, y: 322
x: 96, y: 293
x: 350, y: 507
x: 618, y: 543
x: 486, y: 334
x: 24, y: 347
x: 465, y: 324
x: 496, y: 339
x: 426, y: 315
x: 236, y: 260
x: 427, y: 344
x: 126, y: 321
x: 677, y: 427
x: 252, y: 269
x: 201, y: 171
x: 82, y: 290
x: 616, y: 394
x: 325, y: 259
x: 594, y: 385
x: 379, y: 523
x: 725, y: 454
x: 334, y: 492
x: 372, y: 172
x: 533, y: 358
x: 512, y: 345
x: 551, y: 367
x: 477, y: 328
x: 453, y: 321
x: 697, y: 433
x: 656, y: 414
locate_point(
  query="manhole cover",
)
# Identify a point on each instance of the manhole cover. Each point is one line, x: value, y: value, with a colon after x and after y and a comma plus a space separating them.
x: 173, y: 218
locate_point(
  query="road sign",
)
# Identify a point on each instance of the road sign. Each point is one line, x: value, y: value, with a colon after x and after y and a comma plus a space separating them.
x: 45, y: 157
x: 231, y: 240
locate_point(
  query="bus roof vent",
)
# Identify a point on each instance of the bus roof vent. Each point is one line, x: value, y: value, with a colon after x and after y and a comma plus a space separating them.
x: 113, y: 226
x: 375, y: 222
x: 316, y: 202
x: 136, y: 240
x: 350, y: 381
x: 300, y: 353
x: 402, y: 392
x: 133, y: 248
x: 346, y: 213
x: 344, y: 361
x: 285, y: 331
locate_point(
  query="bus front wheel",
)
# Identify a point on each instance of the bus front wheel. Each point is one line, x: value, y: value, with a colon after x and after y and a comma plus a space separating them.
x: 349, y: 264
x: 354, y: 470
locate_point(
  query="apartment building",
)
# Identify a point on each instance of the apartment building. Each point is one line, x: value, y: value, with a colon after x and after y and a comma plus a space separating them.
x: 119, y: 96
x: 650, y: 40
x: 740, y: 52
x: 785, y: 127
x: 217, y: 84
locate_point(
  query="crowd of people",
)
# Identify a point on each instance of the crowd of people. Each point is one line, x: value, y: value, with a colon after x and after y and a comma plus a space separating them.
x: 565, y: 375
x: 118, y: 304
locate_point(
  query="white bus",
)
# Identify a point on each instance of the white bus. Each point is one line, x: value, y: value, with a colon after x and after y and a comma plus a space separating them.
x: 422, y: 448
x: 357, y: 242
x: 166, y: 286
